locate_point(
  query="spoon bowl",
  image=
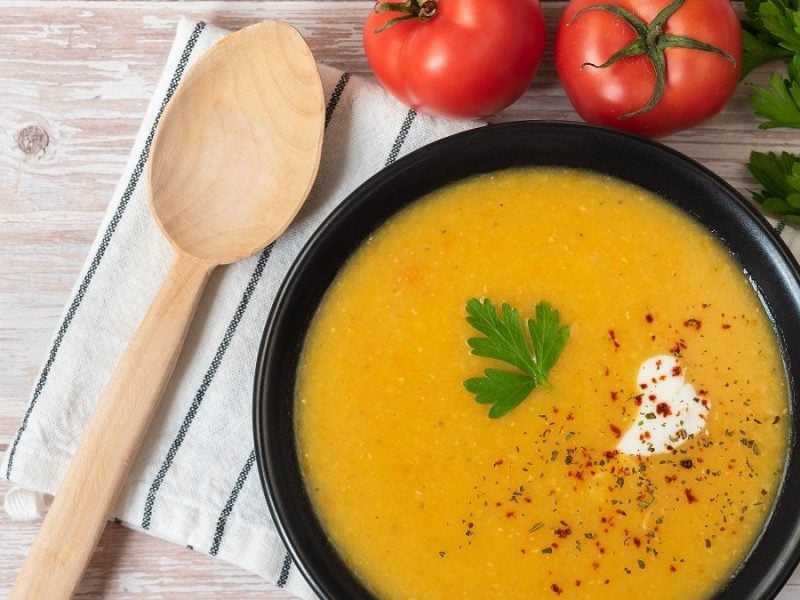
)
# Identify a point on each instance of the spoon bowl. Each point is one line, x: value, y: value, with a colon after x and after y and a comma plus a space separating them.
x: 233, y: 159
x: 238, y: 147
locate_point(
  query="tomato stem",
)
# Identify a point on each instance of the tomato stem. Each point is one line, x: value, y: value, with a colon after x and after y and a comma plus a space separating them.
x: 661, y: 18
x: 653, y: 35
x: 652, y: 42
x: 424, y: 10
x: 427, y: 10
x: 631, y: 19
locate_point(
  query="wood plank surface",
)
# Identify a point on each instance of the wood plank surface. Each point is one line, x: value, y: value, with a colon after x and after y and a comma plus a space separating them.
x: 75, y: 79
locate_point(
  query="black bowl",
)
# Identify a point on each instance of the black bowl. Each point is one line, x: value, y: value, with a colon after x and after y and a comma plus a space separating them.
x: 772, y: 269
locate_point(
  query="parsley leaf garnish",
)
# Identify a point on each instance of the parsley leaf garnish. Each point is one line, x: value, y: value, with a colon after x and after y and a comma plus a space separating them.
x: 505, y: 340
x: 504, y: 390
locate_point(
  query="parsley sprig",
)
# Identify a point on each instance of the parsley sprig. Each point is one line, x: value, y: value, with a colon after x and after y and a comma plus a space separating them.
x: 780, y: 176
x: 505, y: 340
x: 779, y: 103
x: 772, y: 32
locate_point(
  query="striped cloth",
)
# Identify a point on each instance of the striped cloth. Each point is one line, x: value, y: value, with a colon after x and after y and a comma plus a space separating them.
x: 194, y: 480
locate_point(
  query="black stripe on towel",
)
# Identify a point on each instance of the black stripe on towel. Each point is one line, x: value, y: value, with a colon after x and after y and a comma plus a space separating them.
x: 401, y: 136
x: 287, y: 566
x: 335, y: 97
x: 223, y: 517
x: 201, y: 392
x: 107, y: 235
x: 194, y: 407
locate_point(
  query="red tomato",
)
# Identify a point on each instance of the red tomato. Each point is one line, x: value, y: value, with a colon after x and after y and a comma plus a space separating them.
x: 471, y: 58
x: 697, y: 80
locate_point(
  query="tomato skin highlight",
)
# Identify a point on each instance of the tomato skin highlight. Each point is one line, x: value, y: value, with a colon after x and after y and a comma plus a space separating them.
x: 471, y: 59
x: 698, y: 83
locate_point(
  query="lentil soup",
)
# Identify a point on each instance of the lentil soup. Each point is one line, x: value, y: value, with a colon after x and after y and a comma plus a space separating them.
x: 568, y: 495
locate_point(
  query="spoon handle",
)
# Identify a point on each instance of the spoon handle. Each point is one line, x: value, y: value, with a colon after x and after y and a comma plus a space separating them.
x: 87, y: 495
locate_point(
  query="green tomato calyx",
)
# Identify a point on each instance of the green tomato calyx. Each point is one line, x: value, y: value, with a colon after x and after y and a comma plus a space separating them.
x: 652, y: 42
x: 424, y: 10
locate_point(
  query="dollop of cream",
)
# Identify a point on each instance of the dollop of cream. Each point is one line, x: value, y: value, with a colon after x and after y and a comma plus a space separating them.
x: 670, y: 413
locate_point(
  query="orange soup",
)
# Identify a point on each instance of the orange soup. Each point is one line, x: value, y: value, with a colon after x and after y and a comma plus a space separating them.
x: 575, y: 493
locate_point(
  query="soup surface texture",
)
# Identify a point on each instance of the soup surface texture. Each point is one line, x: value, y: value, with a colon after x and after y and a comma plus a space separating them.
x: 424, y: 496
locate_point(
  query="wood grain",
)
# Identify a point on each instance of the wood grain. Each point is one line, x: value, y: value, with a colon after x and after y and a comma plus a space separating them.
x: 192, y: 141
x: 75, y: 78
x: 187, y: 193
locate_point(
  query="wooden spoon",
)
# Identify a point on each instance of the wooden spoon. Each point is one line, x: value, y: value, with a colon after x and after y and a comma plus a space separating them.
x: 233, y: 159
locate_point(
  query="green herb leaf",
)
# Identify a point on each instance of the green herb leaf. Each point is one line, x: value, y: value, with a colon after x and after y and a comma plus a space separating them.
x: 503, y: 389
x: 505, y: 340
x: 780, y: 102
x: 779, y: 174
x: 781, y: 18
x: 548, y: 338
x: 766, y: 36
x: 759, y: 50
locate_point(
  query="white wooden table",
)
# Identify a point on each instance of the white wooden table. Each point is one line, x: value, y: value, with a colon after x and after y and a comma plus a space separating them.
x: 75, y: 78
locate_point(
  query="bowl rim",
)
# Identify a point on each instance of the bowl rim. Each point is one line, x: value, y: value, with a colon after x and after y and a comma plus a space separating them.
x: 333, y: 579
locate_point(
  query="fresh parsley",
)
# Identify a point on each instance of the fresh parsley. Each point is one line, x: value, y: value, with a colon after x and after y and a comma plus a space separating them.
x: 533, y: 354
x: 780, y: 19
x: 780, y: 102
x: 758, y: 50
x: 779, y: 174
x: 772, y: 32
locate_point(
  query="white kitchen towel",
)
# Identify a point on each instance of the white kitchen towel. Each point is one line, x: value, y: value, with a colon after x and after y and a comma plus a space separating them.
x: 194, y: 481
